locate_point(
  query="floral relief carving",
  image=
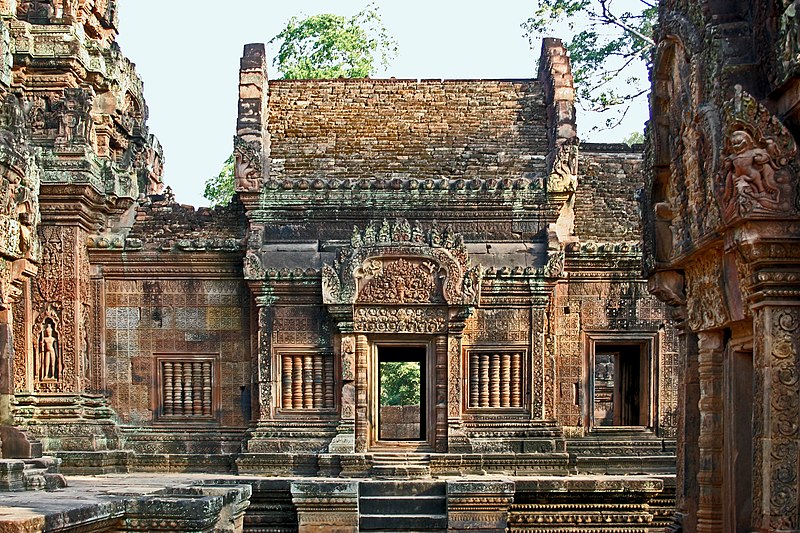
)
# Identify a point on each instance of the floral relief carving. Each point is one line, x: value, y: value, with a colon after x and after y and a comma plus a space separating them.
x: 757, y: 177
x: 784, y: 428
x: 400, y: 320
x: 705, y: 297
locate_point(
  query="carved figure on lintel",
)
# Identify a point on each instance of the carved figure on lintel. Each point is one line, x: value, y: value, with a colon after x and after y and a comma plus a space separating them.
x: 751, y: 169
x: 758, y: 176
x: 48, y: 353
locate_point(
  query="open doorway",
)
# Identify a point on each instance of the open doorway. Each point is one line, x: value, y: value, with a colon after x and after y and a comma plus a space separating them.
x: 620, y: 384
x: 402, y: 398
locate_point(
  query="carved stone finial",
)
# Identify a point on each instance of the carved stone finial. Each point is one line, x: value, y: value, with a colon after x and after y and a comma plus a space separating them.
x: 564, y: 174
x: 248, y: 165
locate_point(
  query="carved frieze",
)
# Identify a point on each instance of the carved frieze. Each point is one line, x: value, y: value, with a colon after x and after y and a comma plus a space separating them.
x: 423, y: 320
x: 758, y: 178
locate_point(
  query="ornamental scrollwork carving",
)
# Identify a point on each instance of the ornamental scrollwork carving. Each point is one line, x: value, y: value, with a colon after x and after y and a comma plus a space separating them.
x: 705, y: 295
x: 423, y: 320
x: 758, y: 178
x: 397, y: 263
x: 784, y: 427
x: 248, y: 164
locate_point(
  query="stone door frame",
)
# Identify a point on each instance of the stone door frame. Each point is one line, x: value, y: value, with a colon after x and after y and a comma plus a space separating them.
x: 375, y: 342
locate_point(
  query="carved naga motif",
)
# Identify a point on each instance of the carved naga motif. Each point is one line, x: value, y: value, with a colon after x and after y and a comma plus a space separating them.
x: 758, y: 178
x: 248, y: 168
x: 400, y: 264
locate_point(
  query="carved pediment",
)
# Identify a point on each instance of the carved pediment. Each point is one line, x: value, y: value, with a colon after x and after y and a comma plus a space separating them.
x: 400, y: 264
x: 758, y: 178
x: 399, y: 281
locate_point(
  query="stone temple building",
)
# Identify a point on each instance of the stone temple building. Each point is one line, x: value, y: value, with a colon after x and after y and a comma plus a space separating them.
x: 722, y: 220
x: 453, y: 227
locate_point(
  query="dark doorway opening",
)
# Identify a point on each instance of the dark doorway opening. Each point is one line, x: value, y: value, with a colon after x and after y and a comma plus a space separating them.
x: 621, y: 385
x: 402, y: 402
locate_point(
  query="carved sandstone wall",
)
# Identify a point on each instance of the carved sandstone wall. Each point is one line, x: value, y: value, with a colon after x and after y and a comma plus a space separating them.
x: 403, y: 129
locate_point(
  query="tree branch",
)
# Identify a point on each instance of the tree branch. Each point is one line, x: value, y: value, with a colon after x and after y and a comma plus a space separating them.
x: 612, y: 19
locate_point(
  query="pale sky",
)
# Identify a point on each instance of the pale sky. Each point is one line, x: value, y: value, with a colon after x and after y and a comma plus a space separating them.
x: 187, y: 52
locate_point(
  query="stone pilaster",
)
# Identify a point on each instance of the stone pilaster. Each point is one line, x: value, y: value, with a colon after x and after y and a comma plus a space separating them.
x: 776, y: 417
x: 6, y: 367
x: 326, y: 506
x: 479, y: 506
x: 362, y: 397
x: 457, y: 441
x: 709, y: 477
x: 686, y: 492
x: 263, y: 375
x: 344, y: 441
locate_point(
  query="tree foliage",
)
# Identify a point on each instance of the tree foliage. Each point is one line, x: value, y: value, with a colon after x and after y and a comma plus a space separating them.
x: 333, y: 46
x: 219, y: 189
x: 609, y: 44
x: 400, y: 383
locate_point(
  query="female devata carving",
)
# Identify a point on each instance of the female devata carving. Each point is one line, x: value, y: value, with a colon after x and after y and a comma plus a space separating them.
x: 48, y: 353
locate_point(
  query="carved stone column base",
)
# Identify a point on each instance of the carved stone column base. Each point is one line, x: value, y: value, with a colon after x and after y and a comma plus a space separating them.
x: 479, y: 506
x: 326, y: 506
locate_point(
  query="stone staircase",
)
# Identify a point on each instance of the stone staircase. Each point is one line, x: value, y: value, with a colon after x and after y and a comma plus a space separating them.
x: 622, y: 450
x: 395, y: 506
x: 22, y: 465
x: 401, y: 465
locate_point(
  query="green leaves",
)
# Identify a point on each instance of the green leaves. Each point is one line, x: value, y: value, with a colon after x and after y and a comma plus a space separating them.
x: 220, y: 188
x: 332, y: 46
x: 400, y: 383
x: 609, y: 47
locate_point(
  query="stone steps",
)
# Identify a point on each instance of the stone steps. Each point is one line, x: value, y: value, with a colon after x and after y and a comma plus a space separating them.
x: 395, y: 506
x: 401, y: 465
x: 30, y: 474
x: 622, y: 450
